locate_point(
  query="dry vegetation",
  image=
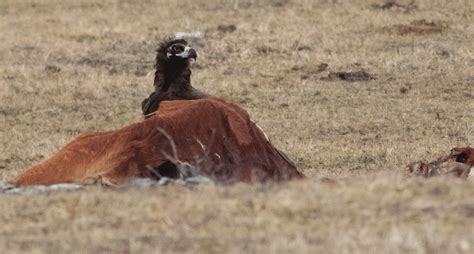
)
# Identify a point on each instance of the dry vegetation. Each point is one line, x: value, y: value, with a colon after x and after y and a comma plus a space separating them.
x: 71, y: 66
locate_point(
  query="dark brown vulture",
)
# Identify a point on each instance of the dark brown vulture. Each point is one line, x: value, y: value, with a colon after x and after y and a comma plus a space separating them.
x: 172, y: 75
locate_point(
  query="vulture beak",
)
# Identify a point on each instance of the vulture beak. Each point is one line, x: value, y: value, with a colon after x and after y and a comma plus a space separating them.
x: 192, y: 53
x: 188, y: 53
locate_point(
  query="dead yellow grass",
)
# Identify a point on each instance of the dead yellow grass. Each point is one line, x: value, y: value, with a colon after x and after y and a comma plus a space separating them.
x: 71, y: 66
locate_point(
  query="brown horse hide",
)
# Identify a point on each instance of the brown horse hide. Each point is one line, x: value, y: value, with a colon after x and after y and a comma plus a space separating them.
x: 210, y: 130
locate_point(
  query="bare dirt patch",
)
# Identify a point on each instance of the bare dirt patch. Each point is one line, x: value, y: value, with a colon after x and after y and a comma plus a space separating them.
x: 397, y: 5
x: 349, y: 76
x: 226, y: 28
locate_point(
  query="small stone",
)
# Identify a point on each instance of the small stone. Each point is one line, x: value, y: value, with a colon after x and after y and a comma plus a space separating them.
x: 6, y: 186
x: 139, y: 182
x: 165, y: 181
x: 198, y: 180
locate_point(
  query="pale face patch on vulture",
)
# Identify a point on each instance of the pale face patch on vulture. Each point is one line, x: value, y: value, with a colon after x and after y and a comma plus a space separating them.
x: 181, y: 51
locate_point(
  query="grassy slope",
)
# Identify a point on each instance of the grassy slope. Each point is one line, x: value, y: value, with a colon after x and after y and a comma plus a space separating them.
x: 361, y: 133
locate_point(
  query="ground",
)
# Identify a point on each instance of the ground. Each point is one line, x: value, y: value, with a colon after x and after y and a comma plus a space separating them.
x: 71, y: 66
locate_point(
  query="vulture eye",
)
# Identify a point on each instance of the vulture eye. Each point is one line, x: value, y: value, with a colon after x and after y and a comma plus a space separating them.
x: 177, y: 48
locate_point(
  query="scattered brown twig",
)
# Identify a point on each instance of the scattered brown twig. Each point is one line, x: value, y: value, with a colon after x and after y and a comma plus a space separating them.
x: 154, y: 172
x: 173, y: 159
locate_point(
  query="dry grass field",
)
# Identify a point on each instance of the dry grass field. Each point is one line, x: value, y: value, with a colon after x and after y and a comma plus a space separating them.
x: 71, y: 66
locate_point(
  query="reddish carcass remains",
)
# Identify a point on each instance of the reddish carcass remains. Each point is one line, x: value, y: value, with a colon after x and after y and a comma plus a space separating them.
x: 458, y: 164
x: 216, y: 137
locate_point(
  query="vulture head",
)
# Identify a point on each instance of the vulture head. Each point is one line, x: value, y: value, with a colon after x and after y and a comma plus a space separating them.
x: 174, y: 53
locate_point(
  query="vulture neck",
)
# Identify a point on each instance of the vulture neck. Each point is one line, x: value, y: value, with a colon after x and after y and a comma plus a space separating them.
x: 172, y: 76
